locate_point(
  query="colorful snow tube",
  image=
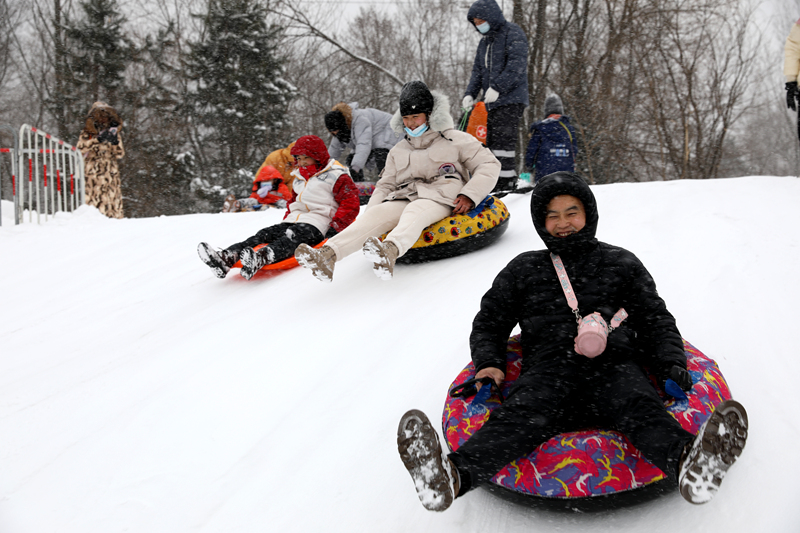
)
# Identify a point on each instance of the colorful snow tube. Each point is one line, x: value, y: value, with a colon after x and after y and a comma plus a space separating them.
x: 460, y: 234
x: 365, y: 190
x: 585, y: 463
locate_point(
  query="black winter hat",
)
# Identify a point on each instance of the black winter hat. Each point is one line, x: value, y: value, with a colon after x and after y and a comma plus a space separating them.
x: 415, y: 98
x: 335, y: 121
x: 553, y: 105
x: 556, y: 184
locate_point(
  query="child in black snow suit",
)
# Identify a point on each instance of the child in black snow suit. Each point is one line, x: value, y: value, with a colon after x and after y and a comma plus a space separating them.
x: 324, y: 201
x: 561, y: 390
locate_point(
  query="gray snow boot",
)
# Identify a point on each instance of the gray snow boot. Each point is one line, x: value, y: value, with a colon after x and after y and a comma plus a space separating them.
x: 717, y: 446
x: 220, y: 261
x: 383, y: 255
x: 253, y: 261
x: 321, y: 261
x: 435, y: 477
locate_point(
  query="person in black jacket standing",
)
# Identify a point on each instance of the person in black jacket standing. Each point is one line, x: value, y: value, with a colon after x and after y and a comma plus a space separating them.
x: 500, y: 70
x: 561, y: 390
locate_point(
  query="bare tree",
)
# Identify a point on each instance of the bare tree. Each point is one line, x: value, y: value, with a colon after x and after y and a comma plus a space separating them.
x: 654, y: 86
x: 765, y: 141
x: 370, y: 61
x: 308, y: 27
x: 10, y: 14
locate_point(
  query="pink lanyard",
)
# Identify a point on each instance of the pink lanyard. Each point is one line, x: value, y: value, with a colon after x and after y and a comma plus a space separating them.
x: 572, y: 300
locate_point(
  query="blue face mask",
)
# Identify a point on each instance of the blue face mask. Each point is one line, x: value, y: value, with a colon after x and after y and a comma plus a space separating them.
x: 483, y: 28
x: 417, y: 132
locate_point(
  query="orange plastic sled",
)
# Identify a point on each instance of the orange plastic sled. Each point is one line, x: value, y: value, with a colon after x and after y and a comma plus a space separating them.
x: 286, y: 264
x: 477, y: 122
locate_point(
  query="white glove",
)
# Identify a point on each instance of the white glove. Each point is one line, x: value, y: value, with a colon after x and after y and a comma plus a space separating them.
x: 468, y: 102
x: 491, y: 96
x: 263, y: 191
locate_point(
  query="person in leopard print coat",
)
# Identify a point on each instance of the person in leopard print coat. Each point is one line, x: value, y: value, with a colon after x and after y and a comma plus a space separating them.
x: 101, y: 146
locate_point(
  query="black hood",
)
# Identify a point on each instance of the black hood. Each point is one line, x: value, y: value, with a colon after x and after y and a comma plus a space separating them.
x: 489, y: 11
x: 572, y: 184
x: 335, y: 121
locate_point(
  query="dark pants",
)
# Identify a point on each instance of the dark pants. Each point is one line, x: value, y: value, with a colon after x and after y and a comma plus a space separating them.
x: 283, y: 239
x: 570, y: 394
x: 501, y: 139
x: 379, y: 155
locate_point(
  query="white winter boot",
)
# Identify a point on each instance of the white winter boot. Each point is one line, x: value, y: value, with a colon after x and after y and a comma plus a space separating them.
x: 321, y: 261
x: 383, y: 255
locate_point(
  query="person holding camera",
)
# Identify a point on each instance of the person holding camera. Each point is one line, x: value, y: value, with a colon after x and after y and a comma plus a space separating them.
x: 101, y: 145
x: 569, y: 382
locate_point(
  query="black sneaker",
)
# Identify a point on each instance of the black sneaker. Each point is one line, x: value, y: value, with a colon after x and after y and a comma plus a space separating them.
x: 220, y: 261
x: 434, y: 475
x: 717, y: 446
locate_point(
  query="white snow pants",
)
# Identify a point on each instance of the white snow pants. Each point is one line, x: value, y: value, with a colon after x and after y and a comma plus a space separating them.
x: 404, y: 220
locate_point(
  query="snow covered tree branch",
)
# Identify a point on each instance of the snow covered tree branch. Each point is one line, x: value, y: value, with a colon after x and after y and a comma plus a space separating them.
x: 291, y: 13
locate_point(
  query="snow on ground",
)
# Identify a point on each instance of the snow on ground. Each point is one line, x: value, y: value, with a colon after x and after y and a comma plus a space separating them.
x: 139, y: 393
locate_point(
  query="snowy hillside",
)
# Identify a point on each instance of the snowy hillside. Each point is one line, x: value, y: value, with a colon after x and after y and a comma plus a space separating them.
x: 139, y: 393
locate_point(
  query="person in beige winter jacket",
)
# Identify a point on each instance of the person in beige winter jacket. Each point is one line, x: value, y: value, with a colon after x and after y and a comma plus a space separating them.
x: 101, y: 146
x: 436, y: 171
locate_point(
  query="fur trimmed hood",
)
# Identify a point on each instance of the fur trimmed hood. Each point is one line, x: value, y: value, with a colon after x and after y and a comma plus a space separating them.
x: 439, y: 119
x: 346, y: 110
x: 101, y: 116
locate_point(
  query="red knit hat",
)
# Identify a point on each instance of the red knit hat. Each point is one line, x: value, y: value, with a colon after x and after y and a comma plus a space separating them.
x: 313, y: 147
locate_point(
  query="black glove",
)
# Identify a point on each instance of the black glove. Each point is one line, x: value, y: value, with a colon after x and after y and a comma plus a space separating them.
x: 679, y: 380
x: 792, y: 94
x: 357, y: 175
x: 682, y: 377
x: 331, y: 233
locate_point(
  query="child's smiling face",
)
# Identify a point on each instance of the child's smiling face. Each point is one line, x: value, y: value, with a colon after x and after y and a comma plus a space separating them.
x: 304, y: 160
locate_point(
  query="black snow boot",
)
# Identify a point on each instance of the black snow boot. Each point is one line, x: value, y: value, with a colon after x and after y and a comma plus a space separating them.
x: 253, y: 261
x: 435, y: 477
x: 220, y: 261
x: 717, y: 446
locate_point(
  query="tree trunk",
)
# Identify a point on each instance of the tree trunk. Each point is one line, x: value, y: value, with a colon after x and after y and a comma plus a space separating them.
x: 58, y: 38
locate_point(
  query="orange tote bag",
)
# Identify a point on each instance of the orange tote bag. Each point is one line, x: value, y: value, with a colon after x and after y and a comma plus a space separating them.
x: 477, y: 122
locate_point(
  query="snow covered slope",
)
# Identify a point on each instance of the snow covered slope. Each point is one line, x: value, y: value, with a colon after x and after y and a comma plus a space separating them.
x: 139, y: 393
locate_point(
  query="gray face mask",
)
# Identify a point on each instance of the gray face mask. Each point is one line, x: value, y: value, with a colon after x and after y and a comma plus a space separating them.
x: 483, y: 28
